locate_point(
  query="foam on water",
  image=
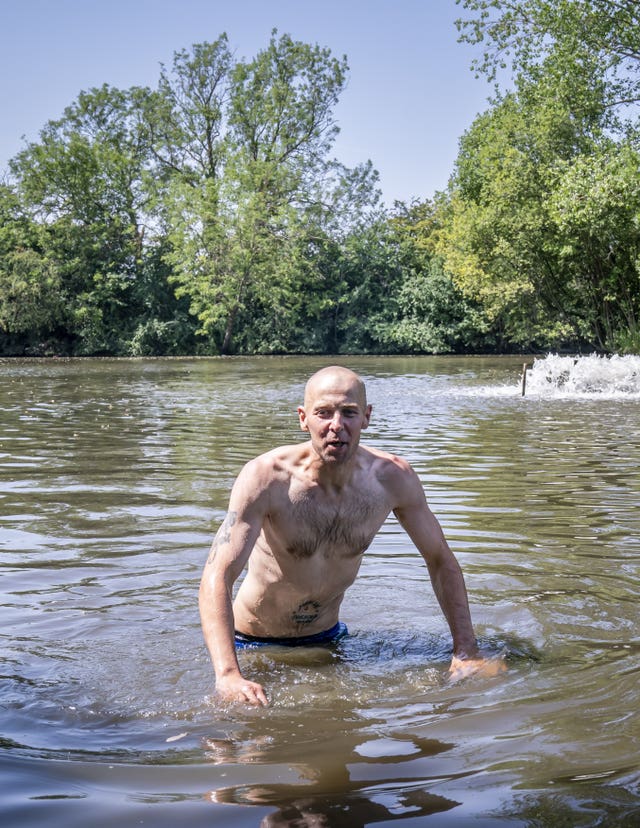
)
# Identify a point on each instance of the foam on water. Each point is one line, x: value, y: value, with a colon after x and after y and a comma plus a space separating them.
x: 567, y: 377
x: 586, y: 376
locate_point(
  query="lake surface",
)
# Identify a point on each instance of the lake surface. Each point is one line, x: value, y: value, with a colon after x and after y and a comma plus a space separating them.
x: 114, y: 475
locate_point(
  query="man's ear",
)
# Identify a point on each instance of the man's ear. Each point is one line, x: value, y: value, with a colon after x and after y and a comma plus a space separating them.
x: 302, y: 417
x: 367, y: 416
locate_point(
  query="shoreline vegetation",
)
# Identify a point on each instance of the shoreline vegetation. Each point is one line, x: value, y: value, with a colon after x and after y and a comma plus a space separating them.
x: 207, y: 216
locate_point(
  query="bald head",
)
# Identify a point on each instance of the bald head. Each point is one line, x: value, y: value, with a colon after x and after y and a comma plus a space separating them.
x: 335, y: 378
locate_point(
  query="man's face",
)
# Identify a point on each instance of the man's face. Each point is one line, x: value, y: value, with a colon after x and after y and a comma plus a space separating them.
x: 334, y: 414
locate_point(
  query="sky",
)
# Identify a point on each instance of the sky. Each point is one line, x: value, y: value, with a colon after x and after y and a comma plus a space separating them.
x: 410, y: 95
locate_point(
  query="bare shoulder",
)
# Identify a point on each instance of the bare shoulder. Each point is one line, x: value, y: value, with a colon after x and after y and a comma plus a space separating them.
x: 385, y: 463
x: 272, y: 467
x: 394, y: 473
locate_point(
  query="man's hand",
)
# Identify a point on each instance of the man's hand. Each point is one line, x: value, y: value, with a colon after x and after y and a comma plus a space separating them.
x: 486, y: 667
x: 237, y: 688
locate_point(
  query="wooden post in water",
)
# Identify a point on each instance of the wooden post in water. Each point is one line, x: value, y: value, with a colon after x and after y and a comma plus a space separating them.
x: 524, y: 378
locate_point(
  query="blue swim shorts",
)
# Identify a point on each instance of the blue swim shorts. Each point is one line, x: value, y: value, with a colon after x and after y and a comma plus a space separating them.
x: 247, y: 642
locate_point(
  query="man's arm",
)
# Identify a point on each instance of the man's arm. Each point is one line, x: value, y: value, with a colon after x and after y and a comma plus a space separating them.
x: 228, y: 555
x: 447, y: 579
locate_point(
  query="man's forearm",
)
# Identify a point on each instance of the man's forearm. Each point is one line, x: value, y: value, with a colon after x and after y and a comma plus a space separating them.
x: 449, y: 587
x: 216, y: 613
x: 216, y: 616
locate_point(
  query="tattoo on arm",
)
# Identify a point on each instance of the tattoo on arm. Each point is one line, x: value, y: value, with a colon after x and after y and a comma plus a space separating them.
x: 223, y: 535
x: 307, y: 612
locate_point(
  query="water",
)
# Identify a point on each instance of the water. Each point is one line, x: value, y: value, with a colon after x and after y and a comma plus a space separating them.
x: 611, y: 377
x: 113, y: 477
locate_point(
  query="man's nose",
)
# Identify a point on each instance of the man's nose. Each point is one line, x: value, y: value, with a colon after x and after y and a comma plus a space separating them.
x: 337, y: 421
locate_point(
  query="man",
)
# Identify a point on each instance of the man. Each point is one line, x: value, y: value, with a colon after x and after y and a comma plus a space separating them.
x: 302, y: 517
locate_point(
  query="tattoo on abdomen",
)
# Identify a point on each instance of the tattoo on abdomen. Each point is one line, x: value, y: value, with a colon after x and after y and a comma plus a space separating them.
x: 307, y: 612
x: 223, y: 535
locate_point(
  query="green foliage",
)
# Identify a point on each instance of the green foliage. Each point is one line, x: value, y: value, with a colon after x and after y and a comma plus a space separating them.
x: 30, y: 301
x: 498, y: 244
x: 85, y: 185
x: 544, y: 206
x: 431, y: 314
x: 29, y: 293
x: 596, y: 210
x: 82, y: 183
x: 433, y: 317
x: 241, y: 228
x: 553, y: 41
x: 360, y: 276
x: 208, y: 215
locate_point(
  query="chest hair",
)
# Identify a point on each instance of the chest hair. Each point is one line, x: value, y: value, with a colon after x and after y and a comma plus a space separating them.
x: 342, y: 526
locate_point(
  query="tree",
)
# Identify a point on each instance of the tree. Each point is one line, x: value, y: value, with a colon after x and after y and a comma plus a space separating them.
x: 430, y: 313
x: 30, y: 301
x: 90, y: 183
x: 498, y: 244
x: 187, y: 116
x: 204, y: 199
x: 544, y: 200
x: 82, y: 181
x: 595, y: 208
x: 550, y: 37
x: 241, y: 236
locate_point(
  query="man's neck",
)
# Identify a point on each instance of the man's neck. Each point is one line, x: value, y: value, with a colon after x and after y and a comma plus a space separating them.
x: 329, y: 475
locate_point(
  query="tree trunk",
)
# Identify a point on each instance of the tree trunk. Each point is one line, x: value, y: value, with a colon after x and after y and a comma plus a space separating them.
x: 225, y: 349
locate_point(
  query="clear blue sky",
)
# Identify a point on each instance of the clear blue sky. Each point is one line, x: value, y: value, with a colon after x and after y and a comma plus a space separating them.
x: 410, y: 96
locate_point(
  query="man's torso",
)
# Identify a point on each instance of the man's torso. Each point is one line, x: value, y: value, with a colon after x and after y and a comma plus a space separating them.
x: 311, y: 546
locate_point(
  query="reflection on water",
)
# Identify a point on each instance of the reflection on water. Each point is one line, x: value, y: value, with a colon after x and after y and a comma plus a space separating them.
x: 346, y: 774
x: 113, y: 477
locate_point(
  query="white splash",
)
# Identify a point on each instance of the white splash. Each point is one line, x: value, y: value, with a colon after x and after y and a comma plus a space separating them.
x: 586, y: 376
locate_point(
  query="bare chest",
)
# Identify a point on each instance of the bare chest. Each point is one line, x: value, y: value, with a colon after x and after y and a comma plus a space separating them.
x: 309, y: 523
